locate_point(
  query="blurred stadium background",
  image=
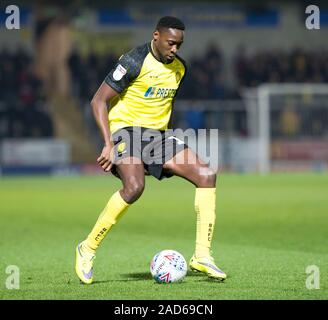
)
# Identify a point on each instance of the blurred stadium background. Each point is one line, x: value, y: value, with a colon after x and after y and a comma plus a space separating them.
x: 242, y: 56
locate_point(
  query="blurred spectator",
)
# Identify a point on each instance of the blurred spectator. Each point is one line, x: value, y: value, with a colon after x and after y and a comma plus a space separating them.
x: 23, y: 112
x: 289, y: 121
x: 88, y: 72
x: 204, y: 79
x: 195, y: 117
x: 280, y: 67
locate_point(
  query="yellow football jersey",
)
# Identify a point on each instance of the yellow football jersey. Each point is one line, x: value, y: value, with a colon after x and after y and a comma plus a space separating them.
x: 146, y: 89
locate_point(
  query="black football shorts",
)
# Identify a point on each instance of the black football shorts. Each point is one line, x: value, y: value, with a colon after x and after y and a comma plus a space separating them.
x: 153, y: 147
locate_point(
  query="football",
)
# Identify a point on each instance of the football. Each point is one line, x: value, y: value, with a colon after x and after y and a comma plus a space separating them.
x: 168, y: 266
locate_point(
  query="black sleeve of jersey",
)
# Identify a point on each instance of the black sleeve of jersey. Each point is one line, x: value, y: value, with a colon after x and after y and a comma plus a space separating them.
x: 127, y: 68
x: 184, y: 76
x: 185, y: 66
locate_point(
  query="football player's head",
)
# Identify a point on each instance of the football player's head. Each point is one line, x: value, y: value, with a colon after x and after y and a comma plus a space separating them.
x: 168, y: 37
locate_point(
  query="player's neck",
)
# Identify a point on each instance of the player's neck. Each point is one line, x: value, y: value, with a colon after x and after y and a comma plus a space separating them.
x: 155, y: 52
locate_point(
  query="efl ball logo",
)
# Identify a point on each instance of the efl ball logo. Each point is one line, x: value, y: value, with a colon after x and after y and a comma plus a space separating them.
x: 168, y: 266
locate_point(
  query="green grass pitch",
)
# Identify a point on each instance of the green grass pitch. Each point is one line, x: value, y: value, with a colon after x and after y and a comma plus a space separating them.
x: 269, y: 230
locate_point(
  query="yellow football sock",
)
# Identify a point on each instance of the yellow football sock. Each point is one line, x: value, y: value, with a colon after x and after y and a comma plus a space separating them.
x: 205, y: 210
x: 113, y: 211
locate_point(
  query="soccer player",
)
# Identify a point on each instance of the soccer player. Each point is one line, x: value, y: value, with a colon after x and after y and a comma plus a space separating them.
x: 141, y: 89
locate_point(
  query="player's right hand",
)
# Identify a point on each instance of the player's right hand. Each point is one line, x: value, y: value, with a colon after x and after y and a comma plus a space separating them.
x: 105, y: 158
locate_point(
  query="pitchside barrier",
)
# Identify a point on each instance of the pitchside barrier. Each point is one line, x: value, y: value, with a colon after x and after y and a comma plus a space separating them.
x: 33, y: 156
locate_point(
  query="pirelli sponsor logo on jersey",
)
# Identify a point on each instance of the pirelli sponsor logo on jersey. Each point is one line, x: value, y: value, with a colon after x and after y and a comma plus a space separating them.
x: 154, y: 92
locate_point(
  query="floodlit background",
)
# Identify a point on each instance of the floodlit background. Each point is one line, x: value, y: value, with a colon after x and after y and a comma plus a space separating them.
x: 255, y: 73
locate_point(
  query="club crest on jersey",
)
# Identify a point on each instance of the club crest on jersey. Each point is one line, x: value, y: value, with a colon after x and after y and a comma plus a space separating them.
x: 119, y: 72
x: 121, y: 147
x: 177, y: 76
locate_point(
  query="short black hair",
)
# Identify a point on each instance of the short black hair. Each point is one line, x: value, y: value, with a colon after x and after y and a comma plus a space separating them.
x: 170, y: 22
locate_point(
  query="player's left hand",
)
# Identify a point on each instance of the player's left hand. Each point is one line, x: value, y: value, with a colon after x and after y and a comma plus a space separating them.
x: 105, y: 158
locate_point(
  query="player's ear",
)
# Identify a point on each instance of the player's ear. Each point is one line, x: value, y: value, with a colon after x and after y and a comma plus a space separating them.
x: 155, y: 35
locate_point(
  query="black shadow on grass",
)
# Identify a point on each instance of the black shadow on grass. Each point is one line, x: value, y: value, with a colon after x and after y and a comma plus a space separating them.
x: 142, y: 276
x: 128, y: 277
x: 101, y: 281
x: 147, y: 275
x: 195, y: 274
x: 137, y: 276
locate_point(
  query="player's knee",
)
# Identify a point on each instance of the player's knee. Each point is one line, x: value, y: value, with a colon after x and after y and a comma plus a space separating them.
x: 206, y: 178
x: 133, y: 190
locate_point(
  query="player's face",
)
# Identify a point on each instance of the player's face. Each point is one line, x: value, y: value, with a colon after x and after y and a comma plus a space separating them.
x: 167, y: 42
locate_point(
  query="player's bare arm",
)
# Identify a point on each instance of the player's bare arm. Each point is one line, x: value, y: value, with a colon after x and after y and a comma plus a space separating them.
x: 100, y: 112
